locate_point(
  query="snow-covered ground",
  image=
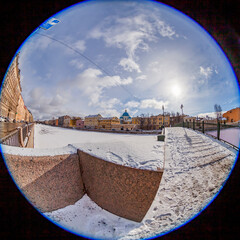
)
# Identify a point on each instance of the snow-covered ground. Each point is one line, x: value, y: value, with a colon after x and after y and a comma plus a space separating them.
x: 231, y: 135
x: 196, y: 166
x: 139, y: 151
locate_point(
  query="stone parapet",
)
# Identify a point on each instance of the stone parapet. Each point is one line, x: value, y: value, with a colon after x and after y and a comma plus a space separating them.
x: 53, y: 182
x: 48, y: 182
x: 125, y: 191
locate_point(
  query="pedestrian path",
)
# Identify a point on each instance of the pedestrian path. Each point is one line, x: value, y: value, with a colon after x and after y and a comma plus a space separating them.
x: 196, y: 167
x: 194, y: 149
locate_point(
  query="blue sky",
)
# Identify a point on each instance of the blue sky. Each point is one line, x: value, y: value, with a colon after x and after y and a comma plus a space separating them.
x: 148, y: 55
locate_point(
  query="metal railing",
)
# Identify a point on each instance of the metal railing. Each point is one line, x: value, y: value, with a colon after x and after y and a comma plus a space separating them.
x: 218, y: 130
x: 19, y: 137
x: 12, y: 139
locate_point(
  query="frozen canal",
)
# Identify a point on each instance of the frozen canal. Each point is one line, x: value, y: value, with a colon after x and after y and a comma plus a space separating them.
x: 231, y: 135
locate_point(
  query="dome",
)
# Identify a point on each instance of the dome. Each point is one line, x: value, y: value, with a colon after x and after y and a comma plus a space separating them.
x: 125, y: 114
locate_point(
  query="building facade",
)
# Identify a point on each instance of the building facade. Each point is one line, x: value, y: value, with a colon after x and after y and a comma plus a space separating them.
x: 106, y: 123
x: 73, y: 121
x: 91, y: 121
x: 153, y: 122
x: 125, y: 118
x: 61, y: 120
x: 80, y: 123
x: 125, y: 127
x: 20, y: 116
x: 12, y: 104
x: 11, y: 90
x: 189, y: 119
x: 66, y: 121
x: 232, y: 115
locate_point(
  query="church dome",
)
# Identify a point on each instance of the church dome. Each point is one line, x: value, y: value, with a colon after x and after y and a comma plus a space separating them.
x: 125, y: 116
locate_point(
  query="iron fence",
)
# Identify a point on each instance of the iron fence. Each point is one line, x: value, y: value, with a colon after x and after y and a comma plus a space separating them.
x: 19, y: 137
x: 12, y: 139
x: 229, y: 133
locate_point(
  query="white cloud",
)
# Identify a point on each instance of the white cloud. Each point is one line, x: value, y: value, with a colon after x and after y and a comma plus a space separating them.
x: 153, y: 103
x: 57, y: 100
x: 147, y: 103
x: 128, y: 64
x: 43, y: 107
x: 132, y: 104
x: 110, y: 103
x: 76, y: 63
x: 92, y: 84
x: 109, y: 113
x: 208, y: 114
x: 131, y: 34
x: 80, y: 45
x: 141, y: 77
x: 206, y: 72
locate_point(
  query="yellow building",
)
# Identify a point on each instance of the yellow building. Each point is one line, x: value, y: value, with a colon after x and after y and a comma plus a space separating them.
x: 66, y: 121
x: 107, y: 123
x: 135, y: 120
x: 155, y: 122
x: 20, y: 116
x: 11, y: 90
x: 27, y: 115
x: 73, y: 121
x: 91, y: 121
x: 232, y: 115
x: 152, y: 123
x: 189, y: 119
x: 125, y: 126
x: 30, y: 117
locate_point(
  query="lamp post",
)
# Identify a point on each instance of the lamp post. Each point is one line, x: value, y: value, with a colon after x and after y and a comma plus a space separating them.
x: 182, y: 108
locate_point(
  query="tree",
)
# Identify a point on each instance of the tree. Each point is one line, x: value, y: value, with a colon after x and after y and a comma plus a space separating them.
x: 218, y: 111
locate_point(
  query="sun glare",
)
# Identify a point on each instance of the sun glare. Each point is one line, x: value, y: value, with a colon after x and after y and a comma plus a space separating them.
x: 176, y: 90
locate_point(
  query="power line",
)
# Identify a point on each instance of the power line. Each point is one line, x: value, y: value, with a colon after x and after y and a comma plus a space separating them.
x: 88, y: 59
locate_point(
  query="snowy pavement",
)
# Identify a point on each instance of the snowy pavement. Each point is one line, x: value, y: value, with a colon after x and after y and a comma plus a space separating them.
x: 196, y: 166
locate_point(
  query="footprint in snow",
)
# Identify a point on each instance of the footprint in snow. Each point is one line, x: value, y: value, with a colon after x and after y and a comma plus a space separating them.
x: 114, y: 157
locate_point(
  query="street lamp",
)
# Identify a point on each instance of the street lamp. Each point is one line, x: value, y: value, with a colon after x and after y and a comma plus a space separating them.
x: 182, y: 108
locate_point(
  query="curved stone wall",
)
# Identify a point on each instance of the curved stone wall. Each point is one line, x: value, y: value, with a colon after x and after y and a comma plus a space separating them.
x: 48, y: 182
x: 53, y: 182
x: 125, y: 191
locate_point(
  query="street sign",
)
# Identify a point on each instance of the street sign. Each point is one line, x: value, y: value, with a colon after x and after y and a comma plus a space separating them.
x: 49, y: 23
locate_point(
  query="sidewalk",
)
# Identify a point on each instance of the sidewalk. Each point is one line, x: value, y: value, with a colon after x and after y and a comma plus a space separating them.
x: 196, y: 167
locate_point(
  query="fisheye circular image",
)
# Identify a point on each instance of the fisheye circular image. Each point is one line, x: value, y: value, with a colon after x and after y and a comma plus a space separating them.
x: 120, y: 119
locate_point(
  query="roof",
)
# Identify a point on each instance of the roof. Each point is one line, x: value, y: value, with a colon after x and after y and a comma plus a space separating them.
x: 90, y: 116
x: 125, y: 114
x: 109, y: 118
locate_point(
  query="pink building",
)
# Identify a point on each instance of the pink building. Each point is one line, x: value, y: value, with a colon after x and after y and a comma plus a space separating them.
x: 80, y: 124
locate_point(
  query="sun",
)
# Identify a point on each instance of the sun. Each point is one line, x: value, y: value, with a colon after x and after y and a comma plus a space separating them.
x: 176, y: 90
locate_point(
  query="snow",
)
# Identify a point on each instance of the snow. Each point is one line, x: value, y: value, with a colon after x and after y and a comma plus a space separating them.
x: 38, y: 152
x: 87, y: 218
x: 133, y: 150
x: 196, y: 167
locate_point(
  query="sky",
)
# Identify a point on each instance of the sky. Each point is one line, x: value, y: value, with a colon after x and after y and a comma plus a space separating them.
x: 108, y: 56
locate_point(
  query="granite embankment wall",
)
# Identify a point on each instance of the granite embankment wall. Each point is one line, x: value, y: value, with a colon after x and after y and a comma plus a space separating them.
x: 48, y: 182
x: 53, y: 182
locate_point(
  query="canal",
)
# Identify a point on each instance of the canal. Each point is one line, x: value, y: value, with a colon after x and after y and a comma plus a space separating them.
x: 8, y: 127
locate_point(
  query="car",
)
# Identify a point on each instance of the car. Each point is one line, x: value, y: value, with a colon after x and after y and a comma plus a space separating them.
x: 2, y: 119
